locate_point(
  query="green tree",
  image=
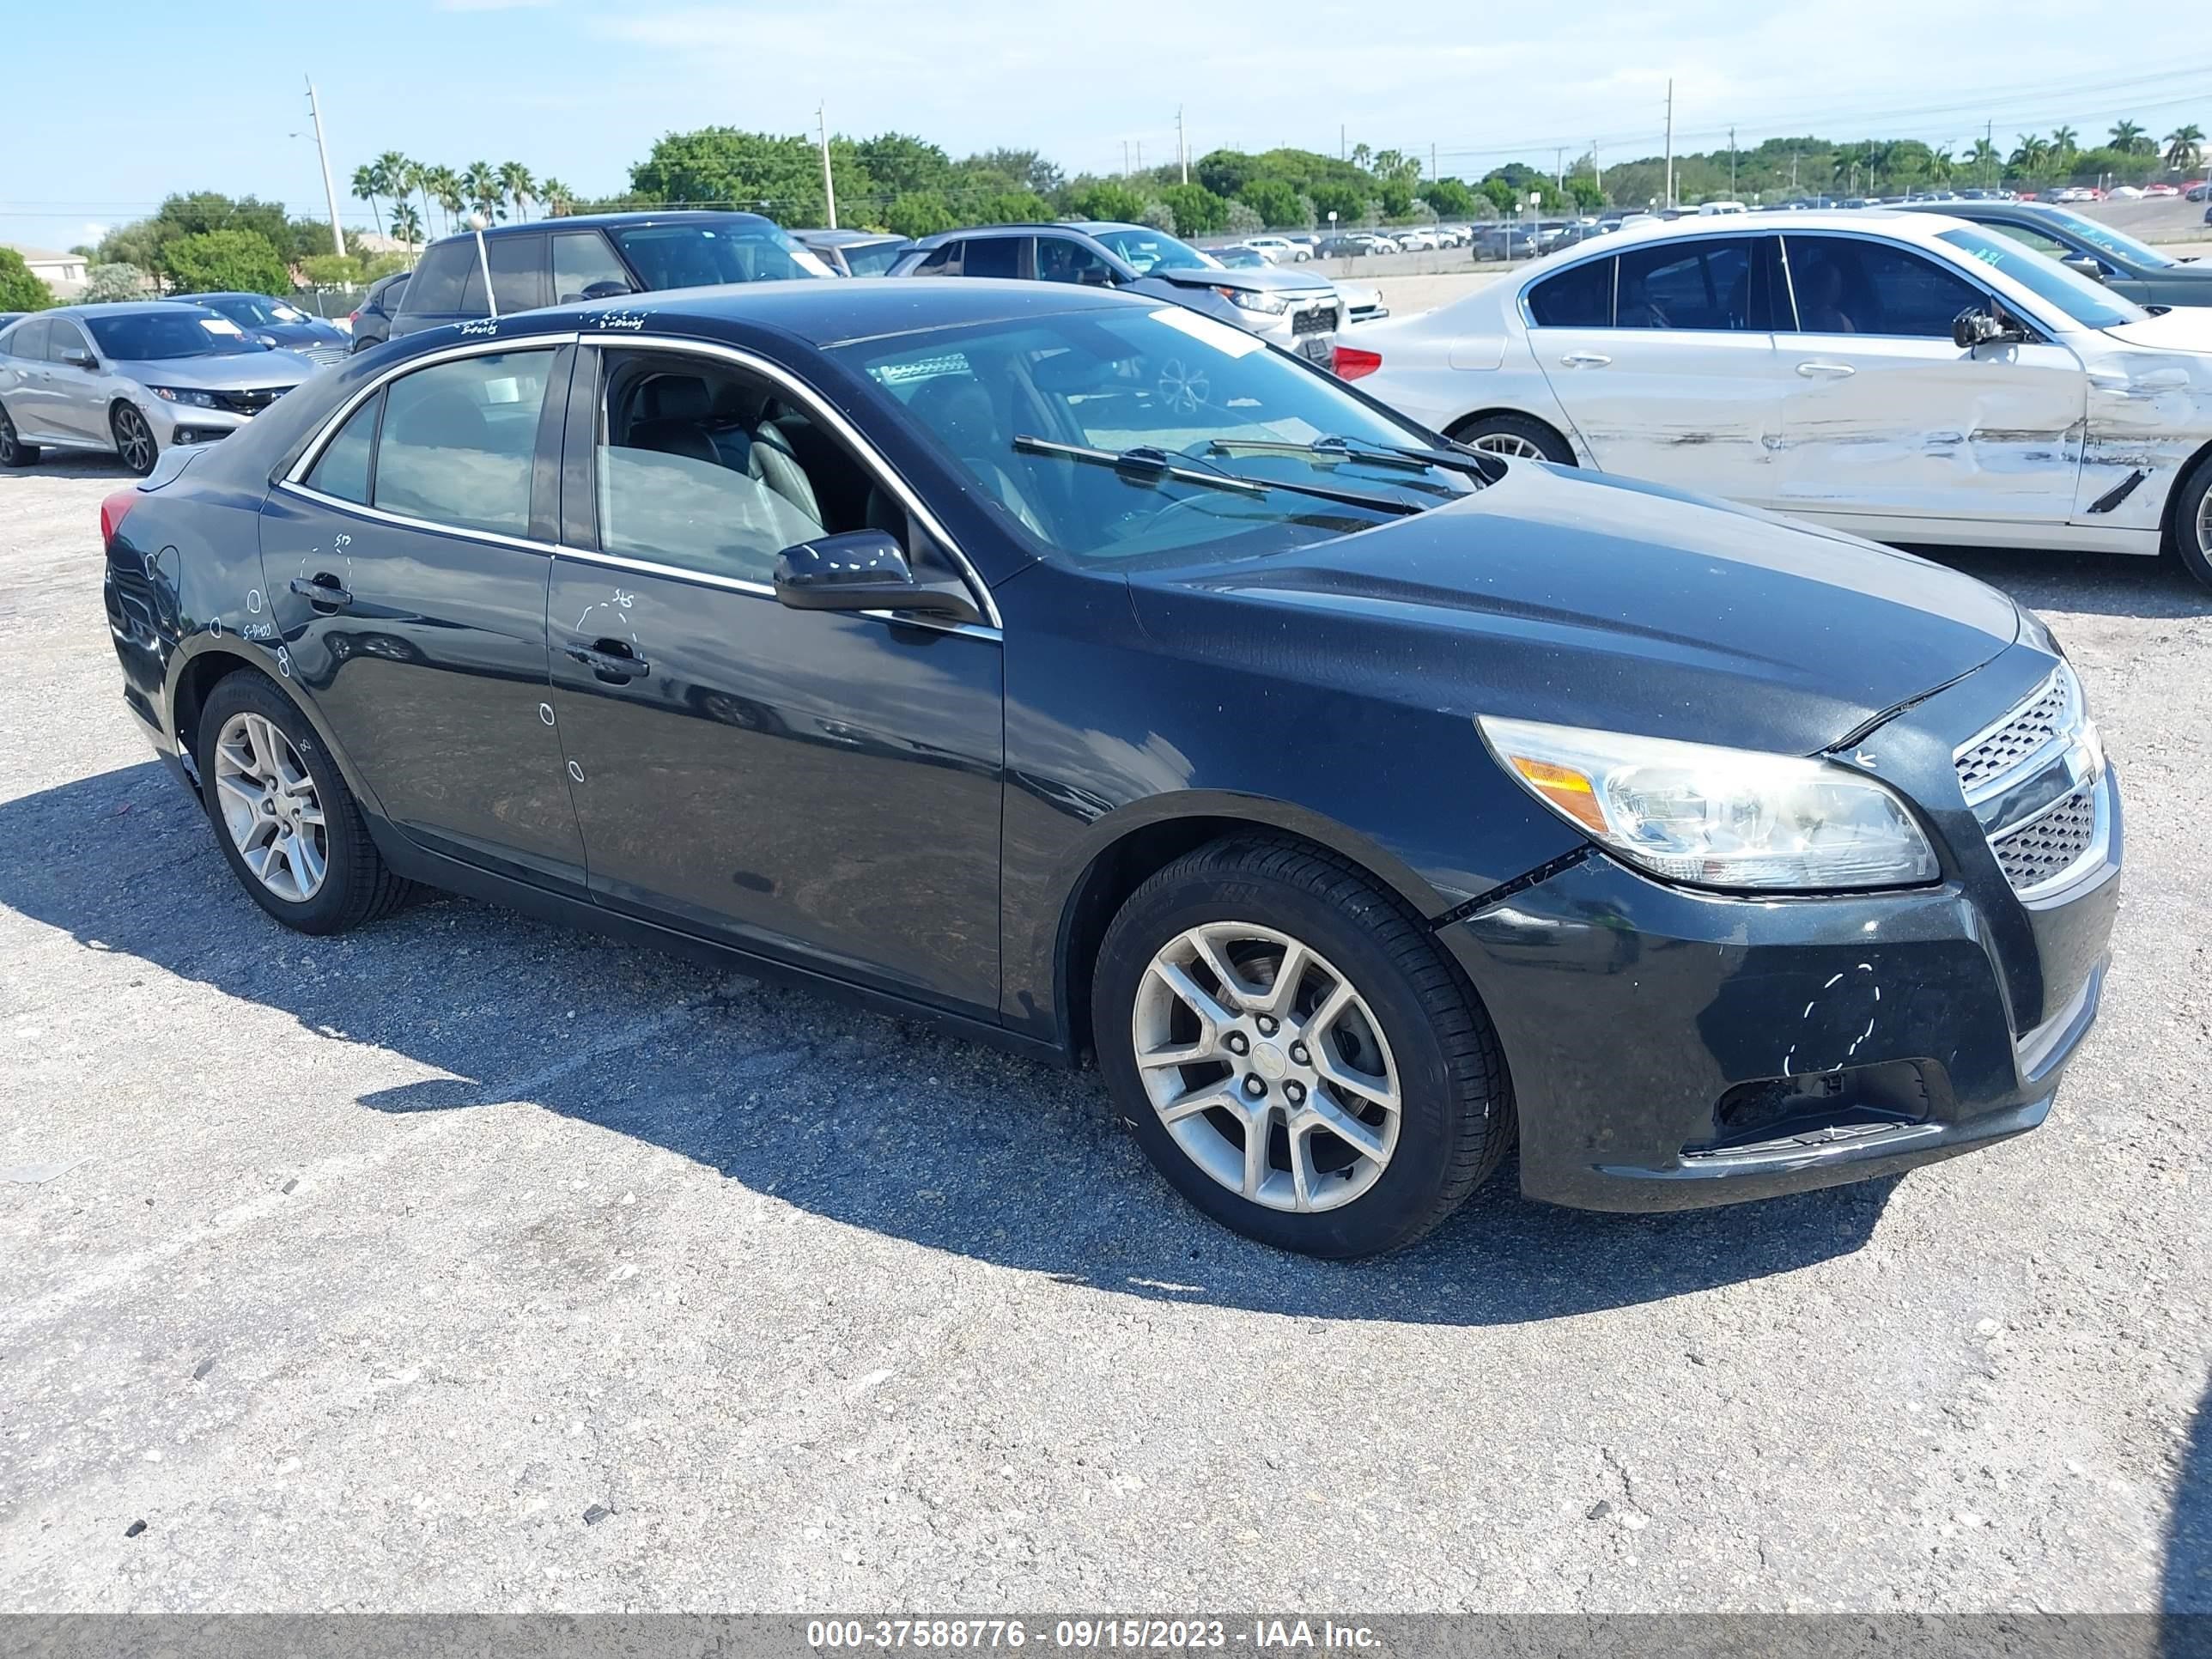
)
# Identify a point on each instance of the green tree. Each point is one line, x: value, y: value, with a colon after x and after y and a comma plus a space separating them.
x: 918, y: 213
x: 1346, y: 201
x: 559, y: 199
x: 105, y: 284
x: 1396, y: 198
x: 2065, y: 145
x: 330, y: 270
x: 1015, y: 169
x: 1108, y: 200
x: 1588, y: 194
x: 210, y: 261
x: 407, y: 224
x: 367, y: 187
x: 901, y: 164
x: 1198, y: 211
x: 1275, y: 200
x: 445, y: 187
x: 1012, y: 207
x: 1448, y: 198
x: 2130, y: 139
x: 19, y: 290
x: 723, y: 167
x: 480, y: 186
x: 514, y: 180
x: 2184, y: 147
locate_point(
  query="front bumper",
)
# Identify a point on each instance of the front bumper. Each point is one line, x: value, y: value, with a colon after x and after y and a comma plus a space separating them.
x: 1672, y: 1048
x: 1308, y: 328
x: 187, y: 423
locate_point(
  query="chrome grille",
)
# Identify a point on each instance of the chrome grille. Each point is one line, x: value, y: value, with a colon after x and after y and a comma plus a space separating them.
x: 2050, y: 846
x: 2034, y: 724
x: 252, y: 402
x: 1321, y: 319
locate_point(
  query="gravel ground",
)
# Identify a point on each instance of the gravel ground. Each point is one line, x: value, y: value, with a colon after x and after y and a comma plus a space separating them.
x: 466, y: 1264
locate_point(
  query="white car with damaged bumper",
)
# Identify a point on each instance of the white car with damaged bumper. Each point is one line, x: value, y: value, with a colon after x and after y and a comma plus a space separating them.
x: 1909, y: 378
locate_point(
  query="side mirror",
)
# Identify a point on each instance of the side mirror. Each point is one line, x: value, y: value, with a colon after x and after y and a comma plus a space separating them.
x: 78, y: 357
x: 864, y: 570
x: 2086, y: 264
x: 1975, y: 327
x: 608, y: 289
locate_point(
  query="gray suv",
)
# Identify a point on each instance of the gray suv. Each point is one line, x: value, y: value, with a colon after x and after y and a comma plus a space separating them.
x: 132, y: 380
x: 1290, y: 309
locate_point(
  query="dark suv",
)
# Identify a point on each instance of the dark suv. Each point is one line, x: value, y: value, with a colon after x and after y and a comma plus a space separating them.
x: 1299, y: 313
x: 2133, y: 269
x: 598, y: 256
x: 372, y: 320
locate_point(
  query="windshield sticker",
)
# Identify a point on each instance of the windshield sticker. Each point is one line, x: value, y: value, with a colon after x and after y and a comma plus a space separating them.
x: 219, y: 326
x: 1235, y: 342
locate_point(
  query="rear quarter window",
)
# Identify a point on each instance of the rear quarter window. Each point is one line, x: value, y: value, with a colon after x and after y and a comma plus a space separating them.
x: 438, y: 281
x: 1578, y: 298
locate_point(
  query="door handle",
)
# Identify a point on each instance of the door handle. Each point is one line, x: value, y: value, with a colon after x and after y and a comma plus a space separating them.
x: 1817, y: 370
x: 610, y: 660
x: 1584, y: 360
x: 322, y: 592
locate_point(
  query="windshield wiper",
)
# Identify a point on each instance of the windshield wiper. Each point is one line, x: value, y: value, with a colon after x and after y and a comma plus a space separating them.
x: 1144, y: 465
x: 1410, y: 457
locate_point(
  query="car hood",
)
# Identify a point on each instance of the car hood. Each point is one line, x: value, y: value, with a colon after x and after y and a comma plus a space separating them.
x: 1598, y: 602
x: 1269, y: 280
x: 2184, y: 328
x: 237, y: 373
x: 299, y: 334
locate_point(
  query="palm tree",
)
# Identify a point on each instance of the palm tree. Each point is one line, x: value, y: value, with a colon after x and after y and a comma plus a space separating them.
x: 367, y: 187
x: 2128, y: 138
x: 2032, y: 157
x: 2184, y: 147
x: 1986, y: 160
x: 2065, y: 145
x: 446, y: 184
x: 1361, y: 155
x: 407, y: 225
x: 514, y: 179
x: 480, y: 184
x: 557, y: 196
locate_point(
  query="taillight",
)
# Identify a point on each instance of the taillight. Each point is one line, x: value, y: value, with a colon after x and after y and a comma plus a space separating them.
x: 353, y: 316
x: 113, y: 512
x: 1351, y: 363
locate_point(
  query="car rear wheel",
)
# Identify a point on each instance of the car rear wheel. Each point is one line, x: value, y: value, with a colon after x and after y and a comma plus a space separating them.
x: 133, y: 440
x: 2193, y: 522
x: 1517, y: 436
x: 13, y: 452
x: 1294, y: 1053
x: 282, y: 814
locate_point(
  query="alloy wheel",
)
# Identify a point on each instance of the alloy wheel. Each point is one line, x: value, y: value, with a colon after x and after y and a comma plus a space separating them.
x: 2204, y: 525
x: 8, y: 440
x: 270, y: 807
x: 1266, y: 1066
x: 133, y: 440
x: 1506, y: 443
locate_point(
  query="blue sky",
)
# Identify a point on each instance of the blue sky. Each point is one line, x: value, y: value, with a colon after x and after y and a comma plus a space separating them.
x: 178, y: 98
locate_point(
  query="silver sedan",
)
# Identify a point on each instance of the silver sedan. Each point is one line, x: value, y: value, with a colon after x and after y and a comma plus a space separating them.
x: 132, y: 380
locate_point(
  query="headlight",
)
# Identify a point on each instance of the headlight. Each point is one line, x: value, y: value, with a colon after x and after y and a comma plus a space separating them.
x: 1245, y: 298
x: 177, y: 394
x: 1718, y: 818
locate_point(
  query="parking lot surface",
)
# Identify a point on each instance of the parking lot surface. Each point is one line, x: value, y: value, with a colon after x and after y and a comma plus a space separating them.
x: 462, y: 1263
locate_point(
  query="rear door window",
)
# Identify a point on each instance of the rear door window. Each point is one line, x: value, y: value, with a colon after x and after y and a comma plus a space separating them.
x: 1578, y: 298
x: 436, y: 288
x: 29, y: 340
x: 1703, y: 283
x: 458, y: 439
x: 942, y: 262
x: 994, y: 256
x: 343, y: 469
x: 518, y: 275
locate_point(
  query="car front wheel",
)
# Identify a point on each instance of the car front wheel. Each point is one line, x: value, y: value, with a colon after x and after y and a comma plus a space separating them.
x: 286, y: 821
x: 133, y: 440
x: 1294, y: 1053
x: 13, y: 452
x: 1515, y: 435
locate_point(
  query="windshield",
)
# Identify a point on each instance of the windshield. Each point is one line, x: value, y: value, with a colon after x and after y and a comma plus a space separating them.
x: 1148, y: 251
x: 704, y: 256
x: 2090, y: 304
x: 1241, y: 258
x: 874, y: 258
x: 254, y: 311
x: 2114, y: 243
x: 1168, y: 380
x: 150, y: 336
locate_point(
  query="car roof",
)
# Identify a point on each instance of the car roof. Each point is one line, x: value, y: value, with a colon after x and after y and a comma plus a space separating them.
x: 603, y: 221
x: 847, y: 238
x: 1032, y: 226
x: 826, y: 313
x: 123, y: 308
x: 1917, y: 225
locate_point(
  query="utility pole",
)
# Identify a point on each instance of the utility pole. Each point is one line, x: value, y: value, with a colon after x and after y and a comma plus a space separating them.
x: 1342, y: 153
x: 330, y: 189
x: 1989, y: 138
x: 1140, y: 155
x: 1670, y: 142
x: 1182, y: 146
x: 1731, y: 164
x: 1125, y: 158
x: 1560, y: 166
x: 1433, y: 174
x: 829, y: 184
x: 1597, y: 172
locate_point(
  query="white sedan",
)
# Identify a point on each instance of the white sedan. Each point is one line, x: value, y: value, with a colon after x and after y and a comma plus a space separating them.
x: 1908, y: 377
x: 1280, y: 249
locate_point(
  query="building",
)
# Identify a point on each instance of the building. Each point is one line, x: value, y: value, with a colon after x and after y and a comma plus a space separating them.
x: 64, y: 273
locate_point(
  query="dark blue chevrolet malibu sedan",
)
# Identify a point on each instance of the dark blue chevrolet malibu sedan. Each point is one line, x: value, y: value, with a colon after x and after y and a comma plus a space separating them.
x: 1092, y: 676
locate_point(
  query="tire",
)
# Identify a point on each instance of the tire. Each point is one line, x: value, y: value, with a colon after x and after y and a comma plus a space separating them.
x: 135, y: 446
x: 13, y: 452
x: 1514, y: 435
x: 1410, y: 1013
x: 2192, y: 538
x: 354, y: 886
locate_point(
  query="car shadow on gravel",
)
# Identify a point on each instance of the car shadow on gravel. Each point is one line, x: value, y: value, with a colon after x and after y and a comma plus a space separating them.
x: 2095, y: 584
x: 873, y: 1121
x: 83, y: 464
